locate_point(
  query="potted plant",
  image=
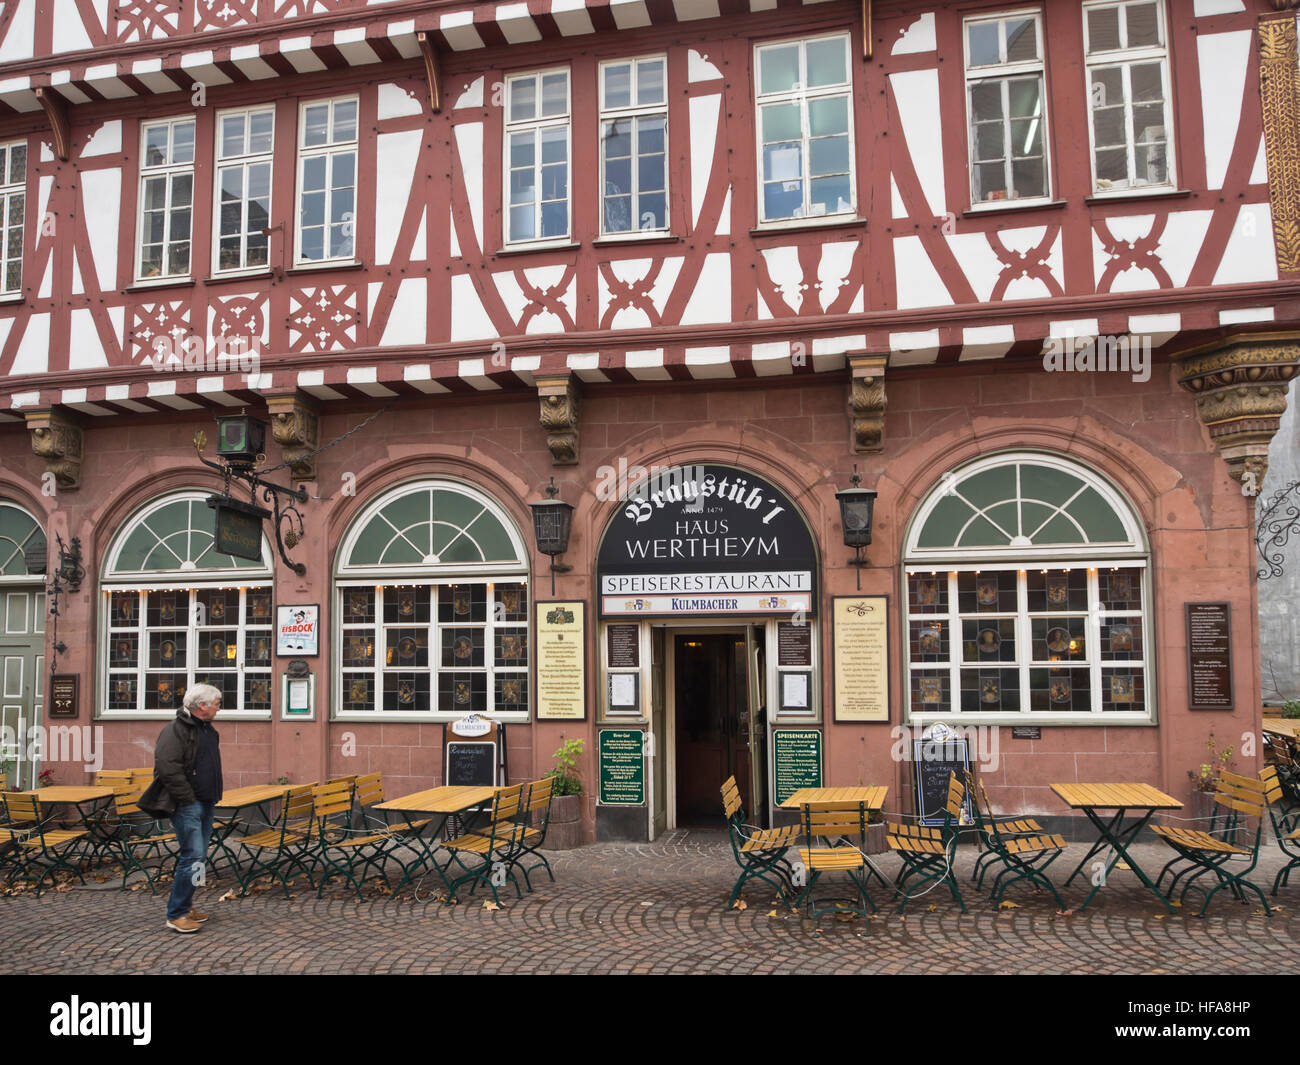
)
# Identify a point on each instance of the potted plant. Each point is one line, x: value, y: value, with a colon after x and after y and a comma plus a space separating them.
x: 565, y: 831
x: 1291, y: 709
x: 1205, y: 777
x: 45, y: 779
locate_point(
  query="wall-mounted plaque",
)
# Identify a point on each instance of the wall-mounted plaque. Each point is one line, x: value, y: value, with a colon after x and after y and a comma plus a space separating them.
x: 860, y: 633
x: 797, y: 761
x: 622, y: 767
x: 297, y: 630
x: 793, y: 644
x: 1027, y: 732
x: 63, y: 694
x: 1209, y: 656
x: 623, y: 646
x: 561, y: 691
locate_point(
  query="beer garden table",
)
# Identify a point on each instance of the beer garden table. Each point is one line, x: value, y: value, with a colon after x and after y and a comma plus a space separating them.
x: 873, y: 796
x: 259, y: 795
x: 1142, y: 799
x: 443, y: 801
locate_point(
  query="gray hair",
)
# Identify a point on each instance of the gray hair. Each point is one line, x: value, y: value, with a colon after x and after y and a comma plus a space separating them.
x: 200, y: 693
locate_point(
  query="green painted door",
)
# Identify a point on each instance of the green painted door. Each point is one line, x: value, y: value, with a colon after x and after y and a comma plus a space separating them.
x: 22, y: 678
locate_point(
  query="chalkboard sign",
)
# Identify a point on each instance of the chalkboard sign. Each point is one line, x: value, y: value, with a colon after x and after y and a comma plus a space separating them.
x: 935, y: 761
x: 472, y: 764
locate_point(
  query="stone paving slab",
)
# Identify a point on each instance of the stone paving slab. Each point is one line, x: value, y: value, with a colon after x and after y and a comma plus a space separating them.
x: 654, y: 908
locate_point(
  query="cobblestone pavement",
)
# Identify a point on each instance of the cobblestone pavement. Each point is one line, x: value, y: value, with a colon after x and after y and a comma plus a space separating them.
x: 652, y: 908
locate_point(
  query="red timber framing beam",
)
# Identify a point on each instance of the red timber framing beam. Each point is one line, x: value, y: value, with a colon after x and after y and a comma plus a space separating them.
x: 56, y: 110
x: 431, y: 71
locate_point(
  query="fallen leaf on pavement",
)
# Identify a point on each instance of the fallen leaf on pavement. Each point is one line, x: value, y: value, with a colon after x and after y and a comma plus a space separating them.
x: 1007, y: 904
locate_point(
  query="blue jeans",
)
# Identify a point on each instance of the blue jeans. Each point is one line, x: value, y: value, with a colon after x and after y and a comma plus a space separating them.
x: 193, y: 825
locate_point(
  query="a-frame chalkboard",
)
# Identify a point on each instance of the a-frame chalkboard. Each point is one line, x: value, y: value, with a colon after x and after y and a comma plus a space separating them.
x: 935, y: 760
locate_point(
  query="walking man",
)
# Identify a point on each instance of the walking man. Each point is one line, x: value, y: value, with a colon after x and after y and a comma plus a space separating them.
x: 186, y: 787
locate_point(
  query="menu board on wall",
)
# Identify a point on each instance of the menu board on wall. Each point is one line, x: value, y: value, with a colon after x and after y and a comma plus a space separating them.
x: 796, y: 761
x: 560, y: 665
x: 623, y: 646
x: 622, y: 767
x: 860, y: 632
x: 793, y: 644
x: 1209, y: 656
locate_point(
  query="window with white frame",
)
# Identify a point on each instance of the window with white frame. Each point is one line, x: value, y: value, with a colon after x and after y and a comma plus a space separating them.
x: 634, y: 145
x: 327, y: 180
x: 244, y: 143
x: 13, y: 210
x: 1028, y: 597
x: 1128, y: 93
x: 1005, y: 107
x: 432, y: 606
x: 178, y: 613
x: 166, y: 198
x: 537, y: 156
x: 805, y: 139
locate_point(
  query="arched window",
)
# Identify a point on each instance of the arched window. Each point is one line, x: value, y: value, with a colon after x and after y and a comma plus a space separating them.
x: 176, y: 613
x: 1028, y: 596
x: 19, y: 531
x: 431, y: 607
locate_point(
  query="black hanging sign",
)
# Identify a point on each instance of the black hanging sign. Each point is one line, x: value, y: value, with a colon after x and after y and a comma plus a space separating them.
x: 705, y: 540
x: 239, y: 527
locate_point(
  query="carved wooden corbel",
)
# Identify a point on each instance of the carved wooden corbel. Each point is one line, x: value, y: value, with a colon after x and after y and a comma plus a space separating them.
x: 431, y: 72
x: 56, y: 110
x: 1279, y: 93
x: 559, y: 402
x: 293, y: 423
x: 1240, y: 385
x: 867, y: 402
x: 56, y: 438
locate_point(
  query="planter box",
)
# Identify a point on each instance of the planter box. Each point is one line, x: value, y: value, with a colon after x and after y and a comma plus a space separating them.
x: 565, y: 830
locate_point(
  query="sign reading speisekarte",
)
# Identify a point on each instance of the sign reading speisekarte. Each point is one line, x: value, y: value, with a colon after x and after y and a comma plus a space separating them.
x: 861, y: 637
x: 797, y: 760
x: 560, y: 688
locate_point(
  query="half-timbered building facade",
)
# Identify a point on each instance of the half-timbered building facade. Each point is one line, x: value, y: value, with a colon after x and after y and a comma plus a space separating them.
x: 1030, y: 267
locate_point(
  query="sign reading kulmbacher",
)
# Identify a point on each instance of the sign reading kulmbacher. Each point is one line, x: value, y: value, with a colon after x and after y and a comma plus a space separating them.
x: 706, y: 540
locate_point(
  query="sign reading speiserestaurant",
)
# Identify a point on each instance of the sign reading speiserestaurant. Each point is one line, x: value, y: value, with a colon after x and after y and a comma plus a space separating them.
x: 706, y: 540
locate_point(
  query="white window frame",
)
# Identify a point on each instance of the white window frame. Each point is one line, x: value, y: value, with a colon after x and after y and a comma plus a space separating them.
x: 633, y: 112
x: 1125, y: 58
x: 1004, y: 72
x: 167, y: 171
x: 9, y: 191
x: 328, y: 150
x: 535, y: 126
x: 802, y: 96
x: 244, y: 162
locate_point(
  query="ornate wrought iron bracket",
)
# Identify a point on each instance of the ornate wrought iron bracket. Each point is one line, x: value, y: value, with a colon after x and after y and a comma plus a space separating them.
x: 286, y: 513
x: 1276, y: 522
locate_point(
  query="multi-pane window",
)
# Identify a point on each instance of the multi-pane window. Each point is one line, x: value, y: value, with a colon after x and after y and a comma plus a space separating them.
x: 163, y: 641
x: 166, y: 198
x: 805, y: 164
x: 327, y: 179
x: 1004, y: 96
x: 244, y: 143
x: 13, y: 207
x: 449, y: 648
x: 634, y: 145
x: 1027, y: 596
x: 537, y: 156
x: 176, y: 612
x: 1128, y: 93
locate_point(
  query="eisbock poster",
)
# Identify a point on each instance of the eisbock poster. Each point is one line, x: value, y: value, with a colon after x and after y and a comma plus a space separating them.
x: 297, y: 630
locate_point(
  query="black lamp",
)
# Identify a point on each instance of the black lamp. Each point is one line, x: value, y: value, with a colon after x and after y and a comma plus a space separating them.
x: 552, y: 522
x: 857, y: 509
x: 240, y: 439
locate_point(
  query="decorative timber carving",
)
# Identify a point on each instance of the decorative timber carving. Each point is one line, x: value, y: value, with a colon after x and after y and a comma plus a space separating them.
x: 867, y: 402
x: 56, y: 438
x: 1279, y: 91
x: 559, y: 400
x: 1240, y: 385
x: 293, y: 423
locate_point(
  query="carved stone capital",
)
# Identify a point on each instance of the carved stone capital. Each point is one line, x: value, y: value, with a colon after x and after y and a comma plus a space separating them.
x: 558, y: 395
x: 56, y: 438
x: 867, y: 402
x: 293, y: 424
x: 1240, y: 385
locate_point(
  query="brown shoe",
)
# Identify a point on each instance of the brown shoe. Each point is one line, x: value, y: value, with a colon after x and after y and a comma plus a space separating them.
x: 197, y: 915
x: 185, y: 925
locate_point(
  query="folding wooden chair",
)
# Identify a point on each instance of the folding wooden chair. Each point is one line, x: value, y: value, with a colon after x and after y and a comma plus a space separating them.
x: 279, y: 850
x: 41, y: 847
x: 338, y: 849
x: 926, y: 851
x: 1286, y: 826
x: 487, y: 856
x: 1245, y: 799
x: 1023, y: 855
x: 760, y: 852
x: 839, y: 822
x: 132, y: 836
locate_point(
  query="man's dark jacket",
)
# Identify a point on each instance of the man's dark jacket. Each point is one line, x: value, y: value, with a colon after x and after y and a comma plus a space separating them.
x: 174, y: 759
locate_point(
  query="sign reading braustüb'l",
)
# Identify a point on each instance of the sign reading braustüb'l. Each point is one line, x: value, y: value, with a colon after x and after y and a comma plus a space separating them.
x: 706, y: 540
